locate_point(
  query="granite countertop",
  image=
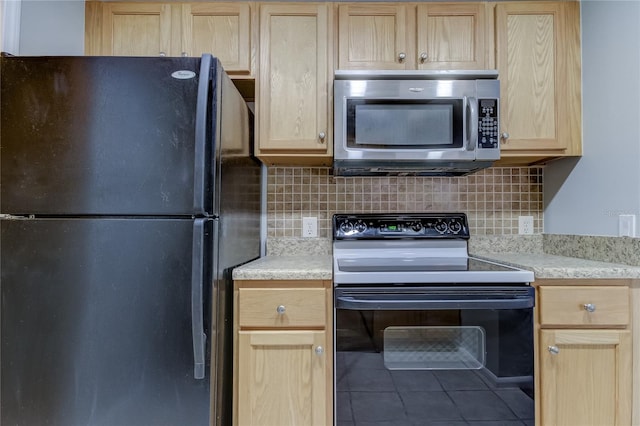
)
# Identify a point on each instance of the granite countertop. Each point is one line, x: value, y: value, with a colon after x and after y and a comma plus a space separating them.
x: 551, y: 266
x: 544, y: 266
x: 293, y: 267
x: 309, y: 259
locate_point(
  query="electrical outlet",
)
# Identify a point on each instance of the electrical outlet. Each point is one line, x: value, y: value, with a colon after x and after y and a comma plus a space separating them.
x: 627, y: 225
x: 310, y: 227
x: 525, y: 225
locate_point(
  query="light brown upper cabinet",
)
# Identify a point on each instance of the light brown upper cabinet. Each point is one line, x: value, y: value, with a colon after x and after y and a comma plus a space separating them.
x: 223, y: 29
x: 129, y: 29
x: 538, y: 58
x: 373, y: 36
x: 294, y: 84
x: 173, y: 29
x: 397, y: 36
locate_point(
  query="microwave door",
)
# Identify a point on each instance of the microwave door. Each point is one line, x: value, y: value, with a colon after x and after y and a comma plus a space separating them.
x: 425, y: 129
x: 417, y: 127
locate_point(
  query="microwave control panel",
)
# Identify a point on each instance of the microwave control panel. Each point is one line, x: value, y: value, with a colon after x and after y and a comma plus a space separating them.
x: 488, y: 123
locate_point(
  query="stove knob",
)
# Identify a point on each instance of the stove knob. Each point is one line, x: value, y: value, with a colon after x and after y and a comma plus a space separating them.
x: 455, y: 226
x: 416, y: 226
x: 346, y: 227
x: 361, y: 226
x: 441, y: 227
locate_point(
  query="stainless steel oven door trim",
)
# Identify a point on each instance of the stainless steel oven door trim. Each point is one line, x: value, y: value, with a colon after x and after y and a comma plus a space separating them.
x: 434, y: 298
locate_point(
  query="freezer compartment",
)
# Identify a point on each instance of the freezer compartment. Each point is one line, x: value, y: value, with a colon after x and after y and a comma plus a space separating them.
x: 97, y: 322
x: 117, y: 135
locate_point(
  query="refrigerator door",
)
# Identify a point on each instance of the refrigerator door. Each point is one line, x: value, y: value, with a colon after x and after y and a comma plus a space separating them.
x: 107, y: 135
x: 97, y: 320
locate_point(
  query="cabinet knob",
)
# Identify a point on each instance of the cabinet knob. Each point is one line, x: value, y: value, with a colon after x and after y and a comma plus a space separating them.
x: 423, y: 56
x: 319, y: 350
x: 184, y: 54
x: 162, y: 54
x: 554, y: 350
x: 589, y: 307
x: 505, y: 135
x: 281, y: 309
x: 402, y: 56
x: 322, y: 136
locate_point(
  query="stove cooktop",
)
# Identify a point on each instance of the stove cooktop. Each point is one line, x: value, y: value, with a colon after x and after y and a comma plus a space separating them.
x: 415, y: 248
x: 420, y: 264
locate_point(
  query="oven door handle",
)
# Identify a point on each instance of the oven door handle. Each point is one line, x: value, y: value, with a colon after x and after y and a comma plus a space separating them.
x: 400, y: 303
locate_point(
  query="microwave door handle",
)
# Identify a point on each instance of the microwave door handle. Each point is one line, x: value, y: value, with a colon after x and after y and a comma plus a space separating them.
x: 472, y: 123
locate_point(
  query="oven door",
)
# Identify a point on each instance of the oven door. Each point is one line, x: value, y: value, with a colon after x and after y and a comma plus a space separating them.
x: 417, y: 355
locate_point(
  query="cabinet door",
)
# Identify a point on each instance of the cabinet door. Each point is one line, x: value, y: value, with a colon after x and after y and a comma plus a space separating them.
x: 136, y: 29
x: 282, y: 378
x: 538, y: 58
x: 374, y: 37
x: 451, y: 36
x: 588, y: 381
x: 293, y: 110
x: 222, y: 29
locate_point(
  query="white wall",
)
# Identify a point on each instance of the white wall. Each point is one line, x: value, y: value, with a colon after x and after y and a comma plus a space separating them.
x: 10, y: 25
x: 52, y: 27
x: 585, y: 197
x: 2, y: 25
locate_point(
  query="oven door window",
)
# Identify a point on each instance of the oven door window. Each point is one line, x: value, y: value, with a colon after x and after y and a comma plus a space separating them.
x: 386, y: 124
x: 506, y: 336
x: 434, y: 348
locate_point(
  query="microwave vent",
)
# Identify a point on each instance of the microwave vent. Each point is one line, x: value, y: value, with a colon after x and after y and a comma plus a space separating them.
x: 413, y: 168
x: 416, y: 75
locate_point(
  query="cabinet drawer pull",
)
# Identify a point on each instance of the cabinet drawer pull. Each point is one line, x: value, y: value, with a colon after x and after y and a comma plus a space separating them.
x: 554, y: 350
x: 402, y: 56
x: 319, y: 350
x: 281, y: 309
x: 589, y: 307
x: 322, y: 135
x: 423, y: 57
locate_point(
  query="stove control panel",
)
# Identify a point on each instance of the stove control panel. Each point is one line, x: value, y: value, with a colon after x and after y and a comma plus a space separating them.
x: 412, y: 225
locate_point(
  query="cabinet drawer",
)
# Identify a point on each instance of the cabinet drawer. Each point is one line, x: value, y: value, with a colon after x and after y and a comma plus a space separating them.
x: 279, y: 307
x: 578, y: 306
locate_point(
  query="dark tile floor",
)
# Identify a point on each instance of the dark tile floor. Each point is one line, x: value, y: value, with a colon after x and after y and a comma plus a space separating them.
x: 368, y: 394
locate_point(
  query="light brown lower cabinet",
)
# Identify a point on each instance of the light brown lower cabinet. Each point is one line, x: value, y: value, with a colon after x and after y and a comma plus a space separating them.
x: 283, y: 353
x: 585, y: 355
x: 588, y: 380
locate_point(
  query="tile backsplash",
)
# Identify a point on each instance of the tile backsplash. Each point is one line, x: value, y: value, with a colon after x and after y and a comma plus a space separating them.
x: 492, y: 199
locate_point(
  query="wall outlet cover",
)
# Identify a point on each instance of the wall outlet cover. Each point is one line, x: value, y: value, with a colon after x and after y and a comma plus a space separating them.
x: 627, y: 225
x: 525, y: 225
x: 309, y: 227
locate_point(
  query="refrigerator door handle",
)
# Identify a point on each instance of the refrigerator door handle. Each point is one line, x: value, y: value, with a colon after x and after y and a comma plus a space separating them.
x: 197, y: 299
x: 202, y: 113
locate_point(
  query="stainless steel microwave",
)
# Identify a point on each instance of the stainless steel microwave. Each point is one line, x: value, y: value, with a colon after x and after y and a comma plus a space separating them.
x: 415, y: 122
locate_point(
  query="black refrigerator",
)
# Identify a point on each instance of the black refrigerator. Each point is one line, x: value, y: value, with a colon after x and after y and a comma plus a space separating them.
x: 128, y: 192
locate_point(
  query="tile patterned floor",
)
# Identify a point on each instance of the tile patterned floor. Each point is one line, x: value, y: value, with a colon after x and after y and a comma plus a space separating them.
x: 367, y: 394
